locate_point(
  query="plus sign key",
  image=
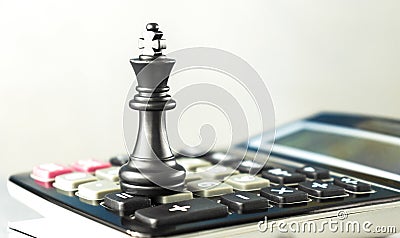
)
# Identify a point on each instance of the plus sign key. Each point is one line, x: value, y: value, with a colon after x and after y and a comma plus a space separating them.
x: 181, y: 212
x: 352, y: 184
x: 281, y: 176
x: 284, y: 195
x: 321, y: 189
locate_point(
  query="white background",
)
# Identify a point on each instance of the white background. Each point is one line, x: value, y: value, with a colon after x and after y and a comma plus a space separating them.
x: 64, y: 67
x: 65, y: 72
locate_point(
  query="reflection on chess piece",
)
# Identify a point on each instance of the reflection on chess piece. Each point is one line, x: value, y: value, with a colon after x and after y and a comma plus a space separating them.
x: 152, y: 169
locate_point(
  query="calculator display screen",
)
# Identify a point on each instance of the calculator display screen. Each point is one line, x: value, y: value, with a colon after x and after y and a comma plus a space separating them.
x: 376, y: 154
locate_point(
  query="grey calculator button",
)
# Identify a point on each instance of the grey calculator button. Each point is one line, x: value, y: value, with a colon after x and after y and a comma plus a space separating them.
x: 174, y: 197
x: 192, y: 176
x: 217, y: 172
x: 209, y: 188
x: 71, y: 181
x: 191, y: 164
x: 246, y: 182
x: 108, y: 174
x: 97, y: 190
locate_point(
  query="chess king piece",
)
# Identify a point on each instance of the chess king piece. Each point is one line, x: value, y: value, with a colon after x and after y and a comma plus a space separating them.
x: 152, y: 169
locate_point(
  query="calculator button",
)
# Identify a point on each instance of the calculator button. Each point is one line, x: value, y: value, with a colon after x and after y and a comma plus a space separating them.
x: 97, y: 190
x: 191, y: 176
x: 108, y: 174
x: 282, y: 194
x: 209, y: 188
x: 47, y: 172
x: 223, y: 159
x: 125, y: 203
x: 119, y: 160
x: 244, y: 202
x: 314, y: 172
x: 248, y: 166
x: 90, y: 165
x: 246, y: 182
x: 71, y: 181
x: 174, y: 197
x: 321, y: 189
x: 352, y: 185
x: 181, y: 212
x: 217, y: 172
x: 191, y: 164
x: 281, y: 176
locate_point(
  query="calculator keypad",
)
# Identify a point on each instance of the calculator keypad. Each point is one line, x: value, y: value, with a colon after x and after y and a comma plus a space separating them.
x: 213, y: 187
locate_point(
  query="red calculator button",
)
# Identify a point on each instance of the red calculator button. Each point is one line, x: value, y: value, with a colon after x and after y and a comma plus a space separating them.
x: 90, y: 165
x: 47, y: 172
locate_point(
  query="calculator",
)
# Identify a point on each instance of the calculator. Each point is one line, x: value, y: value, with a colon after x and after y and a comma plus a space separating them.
x: 330, y: 166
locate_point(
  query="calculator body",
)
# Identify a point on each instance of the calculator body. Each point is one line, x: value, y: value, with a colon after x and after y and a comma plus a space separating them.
x: 365, y: 146
x: 351, y: 147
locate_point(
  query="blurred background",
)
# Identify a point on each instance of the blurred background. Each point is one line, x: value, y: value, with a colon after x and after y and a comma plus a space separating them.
x: 65, y: 72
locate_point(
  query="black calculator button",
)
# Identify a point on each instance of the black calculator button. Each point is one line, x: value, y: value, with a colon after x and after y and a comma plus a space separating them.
x: 181, y: 212
x: 352, y: 185
x: 321, y: 189
x: 125, y: 203
x: 119, y: 160
x: 281, y: 176
x: 244, y: 202
x: 282, y: 194
x: 314, y: 172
